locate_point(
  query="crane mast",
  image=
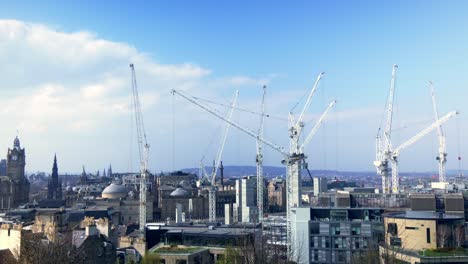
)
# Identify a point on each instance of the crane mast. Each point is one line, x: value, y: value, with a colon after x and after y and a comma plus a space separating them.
x: 213, y: 190
x: 442, y: 158
x: 143, y: 151
x: 384, y: 145
x: 259, y: 160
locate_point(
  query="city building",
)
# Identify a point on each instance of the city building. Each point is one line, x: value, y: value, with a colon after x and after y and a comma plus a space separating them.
x: 14, y: 186
x: 11, y: 236
x: 335, y: 235
x: 277, y: 195
x: 320, y: 185
x: 245, y: 209
x: 194, y: 206
x: 424, y: 237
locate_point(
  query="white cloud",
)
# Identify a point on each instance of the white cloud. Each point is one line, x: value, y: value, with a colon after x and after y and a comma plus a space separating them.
x: 71, y: 90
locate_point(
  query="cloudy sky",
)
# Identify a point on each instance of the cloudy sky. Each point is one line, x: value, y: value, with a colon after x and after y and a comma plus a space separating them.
x: 65, y: 85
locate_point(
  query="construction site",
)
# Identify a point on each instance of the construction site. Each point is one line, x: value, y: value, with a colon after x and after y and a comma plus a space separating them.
x: 212, y: 211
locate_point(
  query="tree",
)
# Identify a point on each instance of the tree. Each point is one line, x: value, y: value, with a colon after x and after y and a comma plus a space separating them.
x: 231, y: 256
x: 443, y: 235
x: 459, y: 236
x: 35, y: 249
x: 151, y: 258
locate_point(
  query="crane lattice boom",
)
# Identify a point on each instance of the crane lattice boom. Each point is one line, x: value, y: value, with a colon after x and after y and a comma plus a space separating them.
x: 143, y: 150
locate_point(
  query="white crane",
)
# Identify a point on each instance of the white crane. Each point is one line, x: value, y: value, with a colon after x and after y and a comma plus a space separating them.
x: 292, y: 159
x: 442, y: 158
x: 259, y: 160
x: 385, y: 153
x: 213, y: 190
x: 143, y: 151
x: 384, y: 146
x: 411, y: 141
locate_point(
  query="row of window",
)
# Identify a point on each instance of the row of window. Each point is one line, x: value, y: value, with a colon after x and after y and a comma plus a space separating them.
x: 339, y: 243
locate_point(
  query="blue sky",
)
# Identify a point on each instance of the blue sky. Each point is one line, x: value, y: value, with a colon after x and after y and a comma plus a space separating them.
x: 285, y: 45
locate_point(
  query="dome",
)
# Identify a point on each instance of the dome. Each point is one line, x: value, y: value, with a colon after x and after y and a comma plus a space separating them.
x: 180, y: 192
x: 115, y: 191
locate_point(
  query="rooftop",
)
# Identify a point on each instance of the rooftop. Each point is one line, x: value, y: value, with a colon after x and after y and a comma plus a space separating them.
x: 425, y: 215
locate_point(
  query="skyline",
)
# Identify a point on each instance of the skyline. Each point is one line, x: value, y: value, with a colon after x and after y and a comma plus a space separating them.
x: 67, y: 85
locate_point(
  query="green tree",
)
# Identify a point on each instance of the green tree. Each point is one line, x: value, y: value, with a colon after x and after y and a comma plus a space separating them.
x: 151, y: 258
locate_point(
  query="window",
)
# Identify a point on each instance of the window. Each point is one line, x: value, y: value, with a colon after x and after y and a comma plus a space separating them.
x: 335, y: 230
x: 338, y: 242
x: 341, y: 256
x: 411, y: 228
x: 356, y: 244
x: 312, y: 244
x: 392, y: 228
x: 315, y: 228
x: 356, y: 230
x: 315, y: 255
x: 395, y: 241
x: 428, y: 235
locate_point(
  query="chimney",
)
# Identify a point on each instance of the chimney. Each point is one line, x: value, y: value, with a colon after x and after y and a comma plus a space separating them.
x: 91, y: 230
x: 221, y: 170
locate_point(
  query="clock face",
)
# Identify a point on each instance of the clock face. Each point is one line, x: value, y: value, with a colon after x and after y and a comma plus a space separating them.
x: 14, y: 157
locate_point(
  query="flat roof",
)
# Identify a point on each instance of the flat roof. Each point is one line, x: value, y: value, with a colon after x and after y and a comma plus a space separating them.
x: 427, y: 215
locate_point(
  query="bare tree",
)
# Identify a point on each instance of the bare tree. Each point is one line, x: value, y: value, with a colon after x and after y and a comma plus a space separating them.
x: 459, y: 236
x: 443, y: 235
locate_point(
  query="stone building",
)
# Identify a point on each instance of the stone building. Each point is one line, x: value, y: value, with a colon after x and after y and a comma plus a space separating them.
x: 194, y: 206
x: 14, y: 187
x: 423, y: 237
x: 277, y: 195
x: 54, y: 187
x: 10, y: 238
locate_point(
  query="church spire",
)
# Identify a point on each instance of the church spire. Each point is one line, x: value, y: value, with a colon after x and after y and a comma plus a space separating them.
x: 55, y: 168
x: 109, y: 171
x: 54, y: 188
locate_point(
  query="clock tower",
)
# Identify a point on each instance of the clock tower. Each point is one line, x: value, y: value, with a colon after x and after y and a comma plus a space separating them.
x: 16, y: 161
x: 14, y: 187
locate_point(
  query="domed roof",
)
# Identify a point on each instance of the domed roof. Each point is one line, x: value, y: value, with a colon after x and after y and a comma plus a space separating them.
x: 179, y: 192
x: 115, y: 191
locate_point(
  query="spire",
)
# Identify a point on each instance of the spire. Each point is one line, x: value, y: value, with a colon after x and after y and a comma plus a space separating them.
x: 109, y: 171
x: 55, y: 168
x: 16, y: 143
x: 104, y: 173
x: 54, y: 188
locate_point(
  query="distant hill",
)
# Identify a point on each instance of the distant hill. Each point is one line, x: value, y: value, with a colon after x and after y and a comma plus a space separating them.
x: 273, y: 171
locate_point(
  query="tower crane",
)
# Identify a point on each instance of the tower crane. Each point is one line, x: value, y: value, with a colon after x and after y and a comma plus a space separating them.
x: 293, y: 159
x: 386, y: 153
x: 384, y: 145
x: 411, y: 141
x: 213, y: 189
x: 442, y: 158
x: 259, y: 160
x: 143, y: 151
